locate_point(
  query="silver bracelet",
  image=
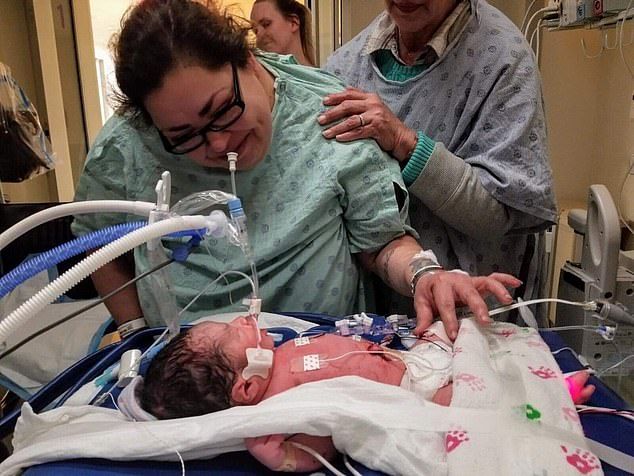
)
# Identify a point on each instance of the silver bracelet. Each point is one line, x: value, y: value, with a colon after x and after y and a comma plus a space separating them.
x: 420, y: 272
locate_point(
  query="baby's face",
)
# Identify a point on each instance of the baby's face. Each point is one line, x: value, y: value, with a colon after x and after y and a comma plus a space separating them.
x: 234, y: 338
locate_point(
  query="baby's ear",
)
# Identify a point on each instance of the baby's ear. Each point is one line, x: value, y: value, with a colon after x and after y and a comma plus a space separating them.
x: 246, y: 391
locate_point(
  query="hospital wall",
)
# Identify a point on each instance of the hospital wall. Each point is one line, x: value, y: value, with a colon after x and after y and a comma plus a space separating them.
x: 588, y: 103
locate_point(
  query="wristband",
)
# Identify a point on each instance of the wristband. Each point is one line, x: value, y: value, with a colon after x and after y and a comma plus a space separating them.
x: 422, y: 263
x: 130, y: 327
x: 429, y: 269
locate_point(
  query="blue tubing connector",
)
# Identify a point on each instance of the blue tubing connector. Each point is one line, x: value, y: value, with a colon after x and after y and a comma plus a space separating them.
x: 52, y: 257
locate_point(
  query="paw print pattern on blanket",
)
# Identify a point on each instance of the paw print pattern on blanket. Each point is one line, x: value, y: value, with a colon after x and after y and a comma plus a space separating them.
x: 474, y: 382
x: 584, y: 461
x: 505, y: 333
x: 538, y: 344
x: 455, y: 438
x: 543, y: 372
x: 570, y: 414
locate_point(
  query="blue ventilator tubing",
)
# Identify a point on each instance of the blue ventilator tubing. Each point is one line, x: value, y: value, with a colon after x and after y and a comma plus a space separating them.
x: 50, y: 258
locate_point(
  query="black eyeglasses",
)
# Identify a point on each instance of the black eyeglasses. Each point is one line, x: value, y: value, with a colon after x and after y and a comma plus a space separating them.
x: 223, y: 118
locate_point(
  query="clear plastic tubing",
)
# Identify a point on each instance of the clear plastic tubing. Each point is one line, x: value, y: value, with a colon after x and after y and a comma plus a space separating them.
x: 75, y: 208
x: 60, y: 253
x: 199, y: 201
x: 93, y: 262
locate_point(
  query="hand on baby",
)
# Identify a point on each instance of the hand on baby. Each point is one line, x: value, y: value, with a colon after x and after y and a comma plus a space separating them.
x: 440, y: 292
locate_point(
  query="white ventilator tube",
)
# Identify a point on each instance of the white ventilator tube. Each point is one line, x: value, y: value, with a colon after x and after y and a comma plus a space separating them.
x: 75, y: 208
x: 101, y: 257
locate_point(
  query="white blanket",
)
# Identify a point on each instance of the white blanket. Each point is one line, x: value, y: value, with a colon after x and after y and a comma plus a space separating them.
x: 510, y: 415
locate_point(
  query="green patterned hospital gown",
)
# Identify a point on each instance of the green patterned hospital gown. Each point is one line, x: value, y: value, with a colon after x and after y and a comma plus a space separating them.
x: 310, y: 205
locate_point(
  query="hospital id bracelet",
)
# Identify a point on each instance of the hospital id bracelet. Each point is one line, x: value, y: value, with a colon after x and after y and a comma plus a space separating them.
x: 130, y: 327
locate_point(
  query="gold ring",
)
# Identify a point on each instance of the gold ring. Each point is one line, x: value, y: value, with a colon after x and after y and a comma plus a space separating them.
x: 361, y: 120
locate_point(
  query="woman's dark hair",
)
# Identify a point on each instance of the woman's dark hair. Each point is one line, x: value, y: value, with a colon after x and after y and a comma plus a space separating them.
x: 289, y: 8
x: 183, y: 382
x: 158, y: 35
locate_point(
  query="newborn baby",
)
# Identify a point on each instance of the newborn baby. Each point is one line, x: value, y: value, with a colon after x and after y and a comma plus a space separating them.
x: 203, y: 370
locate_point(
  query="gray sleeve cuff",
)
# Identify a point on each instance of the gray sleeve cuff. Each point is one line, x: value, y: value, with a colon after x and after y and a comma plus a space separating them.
x: 451, y: 189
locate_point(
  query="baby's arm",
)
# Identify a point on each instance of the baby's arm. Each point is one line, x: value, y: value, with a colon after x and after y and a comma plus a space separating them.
x: 278, y: 453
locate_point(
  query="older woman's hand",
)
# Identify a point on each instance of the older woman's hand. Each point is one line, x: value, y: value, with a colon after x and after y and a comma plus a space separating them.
x: 364, y: 115
x: 439, y: 292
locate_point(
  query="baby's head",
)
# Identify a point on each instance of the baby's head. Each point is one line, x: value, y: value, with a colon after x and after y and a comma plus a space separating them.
x: 199, y: 371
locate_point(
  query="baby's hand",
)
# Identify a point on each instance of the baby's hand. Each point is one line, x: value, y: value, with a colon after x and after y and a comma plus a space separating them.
x: 579, y: 391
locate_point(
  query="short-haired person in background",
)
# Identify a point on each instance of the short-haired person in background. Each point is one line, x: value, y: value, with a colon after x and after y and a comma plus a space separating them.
x: 283, y: 27
x: 451, y: 89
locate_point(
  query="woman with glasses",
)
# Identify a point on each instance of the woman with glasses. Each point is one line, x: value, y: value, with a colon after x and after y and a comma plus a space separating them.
x: 192, y: 91
x: 283, y: 27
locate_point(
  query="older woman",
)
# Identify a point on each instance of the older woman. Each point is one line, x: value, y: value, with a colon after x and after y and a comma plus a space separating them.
x: 451, y: 90
x: 192, y: 92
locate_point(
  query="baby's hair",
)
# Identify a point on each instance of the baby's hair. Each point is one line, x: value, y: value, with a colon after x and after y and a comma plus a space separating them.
x: 184, y: 381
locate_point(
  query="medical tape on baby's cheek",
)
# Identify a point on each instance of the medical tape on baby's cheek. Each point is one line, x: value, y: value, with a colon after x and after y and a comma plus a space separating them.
x: 306, y: 363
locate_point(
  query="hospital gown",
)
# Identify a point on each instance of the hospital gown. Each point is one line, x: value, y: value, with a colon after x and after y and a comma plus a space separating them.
x: 481, y: 102
x: 309, y: 204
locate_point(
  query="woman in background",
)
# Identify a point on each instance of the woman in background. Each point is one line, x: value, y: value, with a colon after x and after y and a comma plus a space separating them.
x: 283, y: 27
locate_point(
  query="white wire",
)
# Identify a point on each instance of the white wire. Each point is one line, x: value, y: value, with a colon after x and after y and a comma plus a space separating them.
x: 206, y: 288
x: 253, y: 287
x: 530, y: 43
x: 590, y: 305
x: 308, y: 333
x: 627, y: 65
x: 573, y: 351
x: 395, y: 354
x: 573, y: 328
x: 258, y: 336
x: 528, y: 11
x: 399, y: 356
x: 615, y: 365
x: 350, y: 467
x: 618, y: 207
x: 539, y: 35
x: 318, y: 457
x: 629, y: 68
x: 541, y: 10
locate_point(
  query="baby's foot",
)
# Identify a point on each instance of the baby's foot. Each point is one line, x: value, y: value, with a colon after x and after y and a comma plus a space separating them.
x: 579, y: 391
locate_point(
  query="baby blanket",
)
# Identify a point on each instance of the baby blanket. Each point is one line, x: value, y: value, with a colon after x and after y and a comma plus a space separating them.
x: 510, y: 414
